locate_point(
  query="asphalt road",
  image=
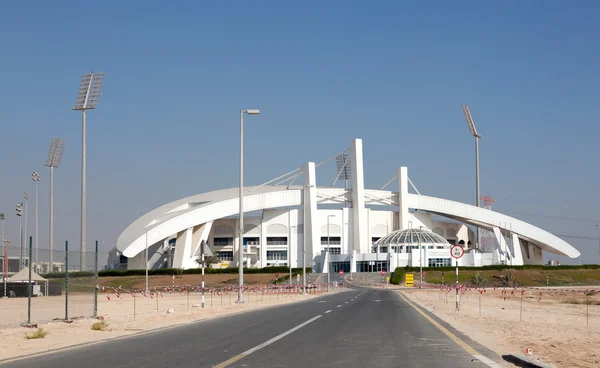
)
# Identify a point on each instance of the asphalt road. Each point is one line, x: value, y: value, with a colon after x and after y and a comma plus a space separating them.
x: 356, y: 328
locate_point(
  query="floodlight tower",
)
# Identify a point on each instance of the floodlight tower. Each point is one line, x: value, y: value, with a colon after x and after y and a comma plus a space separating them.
x: 87, y: 99
x: 477, y: 136
x: 54, y: 159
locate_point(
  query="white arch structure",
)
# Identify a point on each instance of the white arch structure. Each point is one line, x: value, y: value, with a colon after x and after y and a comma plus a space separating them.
x: 190, y: 219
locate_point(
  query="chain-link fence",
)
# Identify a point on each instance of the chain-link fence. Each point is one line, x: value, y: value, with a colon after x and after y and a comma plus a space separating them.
x: 40, y: 295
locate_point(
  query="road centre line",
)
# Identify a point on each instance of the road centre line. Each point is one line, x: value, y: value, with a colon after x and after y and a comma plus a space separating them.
x: 266, y: 343
x: 339, y: 306
x: 459, y: 342
x: 329, y: 311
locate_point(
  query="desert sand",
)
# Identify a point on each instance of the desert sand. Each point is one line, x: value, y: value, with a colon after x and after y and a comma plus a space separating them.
x: 556, y: 330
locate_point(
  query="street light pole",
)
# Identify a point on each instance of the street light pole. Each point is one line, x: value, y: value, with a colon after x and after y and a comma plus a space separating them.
x: 2, y: 220
x: 20, y: 214
x: 598, y: 229
x: 36, y: 179
x: 328, y: 254
x: 146, y: 259
x: 25, y: 214
x: 290, y: 254
x: 241, y: 200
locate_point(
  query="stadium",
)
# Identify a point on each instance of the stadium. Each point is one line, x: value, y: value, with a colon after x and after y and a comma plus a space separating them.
x: 352, y: 228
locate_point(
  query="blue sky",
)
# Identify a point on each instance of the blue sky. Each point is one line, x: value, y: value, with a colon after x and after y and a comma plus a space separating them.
x: 392, y: 73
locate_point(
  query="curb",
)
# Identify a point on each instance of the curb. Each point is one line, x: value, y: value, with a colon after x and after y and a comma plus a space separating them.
x: 523, y: 361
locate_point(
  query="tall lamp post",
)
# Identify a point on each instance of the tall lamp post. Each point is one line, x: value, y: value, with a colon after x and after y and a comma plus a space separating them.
x: 19, y: 210
x: 290, y: 253
x: 598, y: 229
x: 328, y: 255
x: 25, y: 214
x: 2, y: 220
x: 241, y: 225
x: 54, y: 159
x: 87, y: 99
x: 477, y: 136
x: 36, y: 179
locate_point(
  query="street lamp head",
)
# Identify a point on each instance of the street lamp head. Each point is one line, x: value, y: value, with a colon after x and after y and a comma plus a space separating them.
x: 2, y: 216
x: 252, y: 112
x: 35, y: 176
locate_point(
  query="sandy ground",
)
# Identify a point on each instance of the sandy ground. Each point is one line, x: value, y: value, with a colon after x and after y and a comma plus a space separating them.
x: 119, y: 314
x: 556, y: 330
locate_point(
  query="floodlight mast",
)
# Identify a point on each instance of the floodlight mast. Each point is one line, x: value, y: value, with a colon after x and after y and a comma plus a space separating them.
x: 477, y: 136
x: 54, y: 159
x: 87, y: 99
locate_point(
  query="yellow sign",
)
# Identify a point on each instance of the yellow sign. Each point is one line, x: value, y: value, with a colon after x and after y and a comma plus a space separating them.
x: 387, y: 279
x: 224, y: 265
x: 409, y: 281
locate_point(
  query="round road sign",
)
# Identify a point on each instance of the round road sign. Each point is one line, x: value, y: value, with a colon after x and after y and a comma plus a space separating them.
x: 457, y: 251
x: 341, y: 272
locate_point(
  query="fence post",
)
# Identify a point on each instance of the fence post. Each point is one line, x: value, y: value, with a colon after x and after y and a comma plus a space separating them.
x: 66, y: 280
x: 29, y: 287
x: 96, y: 282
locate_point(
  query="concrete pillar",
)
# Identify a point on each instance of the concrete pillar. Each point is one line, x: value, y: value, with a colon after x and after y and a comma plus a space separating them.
x: 360, y: 243
x: 183, y: 246
x: 403, y: 214
x: 311, y: 231
x: 518, y: 254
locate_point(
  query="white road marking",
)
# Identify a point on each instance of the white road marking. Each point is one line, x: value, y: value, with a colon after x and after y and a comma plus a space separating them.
x: 339, y: 306
x: 279, y: 337
x: 329, y: 311
x: 266, y: 343
x: 487, y: 361
x: 345, y: 302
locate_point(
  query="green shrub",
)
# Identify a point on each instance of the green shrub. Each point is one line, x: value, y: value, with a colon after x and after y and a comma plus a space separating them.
x: 174, y: 271
x: 398, y: 276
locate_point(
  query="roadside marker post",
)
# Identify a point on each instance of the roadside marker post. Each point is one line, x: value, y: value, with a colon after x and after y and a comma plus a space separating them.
x: 457, y: 251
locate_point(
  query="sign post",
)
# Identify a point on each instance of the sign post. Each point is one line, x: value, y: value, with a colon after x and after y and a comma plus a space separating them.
x: 457, y: 251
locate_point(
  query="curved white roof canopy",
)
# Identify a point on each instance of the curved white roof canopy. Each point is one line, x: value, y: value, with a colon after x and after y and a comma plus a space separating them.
x: 412, y: 237
x: 192, y: 211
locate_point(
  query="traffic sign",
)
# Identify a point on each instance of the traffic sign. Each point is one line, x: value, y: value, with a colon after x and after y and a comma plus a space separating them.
x: 341, y: 272
x: 276, y: 275
x: 457, y: 251
x: 382, y: 272
x: 409, y: 279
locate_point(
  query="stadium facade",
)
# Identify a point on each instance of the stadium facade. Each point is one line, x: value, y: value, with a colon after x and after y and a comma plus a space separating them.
x: 364, y: 229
